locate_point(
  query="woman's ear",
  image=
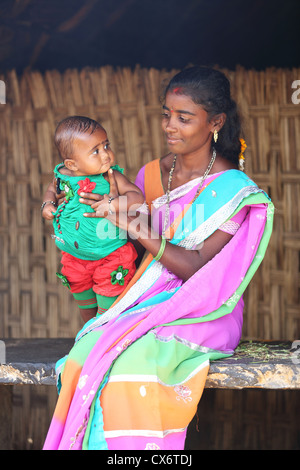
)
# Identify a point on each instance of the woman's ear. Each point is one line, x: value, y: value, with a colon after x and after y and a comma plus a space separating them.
x: 218, y: 122
x: 70, y: 164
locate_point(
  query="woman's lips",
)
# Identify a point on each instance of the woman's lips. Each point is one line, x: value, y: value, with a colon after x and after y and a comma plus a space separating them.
x: 172, y: 140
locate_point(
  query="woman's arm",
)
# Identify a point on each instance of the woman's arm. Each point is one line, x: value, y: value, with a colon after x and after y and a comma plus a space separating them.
x: 183, y: 263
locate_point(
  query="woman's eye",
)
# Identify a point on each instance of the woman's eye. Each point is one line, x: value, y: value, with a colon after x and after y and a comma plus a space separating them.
x: 165, y: 115
x: 183, y: 119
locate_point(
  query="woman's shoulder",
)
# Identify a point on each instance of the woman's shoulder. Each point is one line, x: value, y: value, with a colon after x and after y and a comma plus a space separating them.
x: 163, y: 161
x: 233, y: 178
x: 158, y: 166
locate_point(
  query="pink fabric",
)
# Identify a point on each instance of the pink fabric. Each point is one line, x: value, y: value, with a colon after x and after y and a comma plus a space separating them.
x: 222, y: 334
x: 196, y: 300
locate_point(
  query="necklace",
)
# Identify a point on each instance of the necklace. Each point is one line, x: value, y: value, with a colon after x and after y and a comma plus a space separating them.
x: 203, y: 178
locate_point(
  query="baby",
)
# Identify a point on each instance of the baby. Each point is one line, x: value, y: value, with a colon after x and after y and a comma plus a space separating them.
x: 97, y: 261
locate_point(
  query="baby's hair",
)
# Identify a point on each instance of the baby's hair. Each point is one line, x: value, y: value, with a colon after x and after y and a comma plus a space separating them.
x: 69, y: 129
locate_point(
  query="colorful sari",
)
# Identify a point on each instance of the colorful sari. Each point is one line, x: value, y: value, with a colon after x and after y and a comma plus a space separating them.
x: 135, y: 375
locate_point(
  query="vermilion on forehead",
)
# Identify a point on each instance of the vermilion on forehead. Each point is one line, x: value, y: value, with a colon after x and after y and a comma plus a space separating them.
x: 180, y: 111
x: 177, y: 90
x: 181, y: 103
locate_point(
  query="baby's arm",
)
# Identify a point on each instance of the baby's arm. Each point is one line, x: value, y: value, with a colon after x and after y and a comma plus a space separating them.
x: 132, y: 195
x: 123, y: 197
x: 49, y: 202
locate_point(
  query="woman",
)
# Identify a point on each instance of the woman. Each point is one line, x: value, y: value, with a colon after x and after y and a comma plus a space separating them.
x: 135, y: 375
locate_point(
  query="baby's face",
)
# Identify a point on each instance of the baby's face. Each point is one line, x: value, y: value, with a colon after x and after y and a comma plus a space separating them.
x: 92, y: 153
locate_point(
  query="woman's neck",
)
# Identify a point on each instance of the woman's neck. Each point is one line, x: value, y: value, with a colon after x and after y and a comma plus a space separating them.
x: 193, y: 165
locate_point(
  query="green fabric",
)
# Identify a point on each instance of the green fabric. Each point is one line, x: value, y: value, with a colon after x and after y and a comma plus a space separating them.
x: 171, y: 361
x: 86, y: 295
x: 82, y: 237
x: 105, y: 302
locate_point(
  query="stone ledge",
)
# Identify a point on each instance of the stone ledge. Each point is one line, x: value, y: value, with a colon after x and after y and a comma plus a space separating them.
x: 255, y: 364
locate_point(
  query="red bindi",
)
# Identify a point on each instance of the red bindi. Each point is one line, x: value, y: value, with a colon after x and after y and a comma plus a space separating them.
x: 177, y: 90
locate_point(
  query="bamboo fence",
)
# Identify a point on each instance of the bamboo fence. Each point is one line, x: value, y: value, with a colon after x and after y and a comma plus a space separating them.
x: 127, y: 102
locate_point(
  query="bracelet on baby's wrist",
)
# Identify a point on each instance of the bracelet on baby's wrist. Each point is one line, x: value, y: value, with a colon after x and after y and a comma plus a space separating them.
x: 110, y: 212
x: 47, y: 202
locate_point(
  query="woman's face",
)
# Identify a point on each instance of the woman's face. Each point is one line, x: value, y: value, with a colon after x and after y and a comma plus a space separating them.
x: 186, y: 125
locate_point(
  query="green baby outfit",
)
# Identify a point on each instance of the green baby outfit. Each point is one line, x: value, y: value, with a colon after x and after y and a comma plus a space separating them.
x: 83, y: 237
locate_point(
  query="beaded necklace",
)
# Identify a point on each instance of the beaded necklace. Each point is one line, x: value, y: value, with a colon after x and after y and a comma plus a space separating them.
x: 203, y: 178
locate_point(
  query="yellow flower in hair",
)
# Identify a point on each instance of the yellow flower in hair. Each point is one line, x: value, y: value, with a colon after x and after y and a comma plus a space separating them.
x: 243, y: 147
x: 241, y: 155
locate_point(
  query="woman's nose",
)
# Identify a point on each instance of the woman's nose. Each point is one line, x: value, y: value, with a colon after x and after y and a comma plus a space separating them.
x: 170, y: 124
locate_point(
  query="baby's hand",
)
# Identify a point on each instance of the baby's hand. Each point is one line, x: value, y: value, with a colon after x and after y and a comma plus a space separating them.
x: 48, y: 211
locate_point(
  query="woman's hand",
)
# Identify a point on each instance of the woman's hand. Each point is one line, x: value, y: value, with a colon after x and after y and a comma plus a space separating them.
x: 100, y: 203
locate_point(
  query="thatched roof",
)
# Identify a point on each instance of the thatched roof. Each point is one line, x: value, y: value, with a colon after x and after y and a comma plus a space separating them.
x: 60, y: 34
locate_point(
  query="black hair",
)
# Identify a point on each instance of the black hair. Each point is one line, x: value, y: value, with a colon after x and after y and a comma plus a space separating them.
x: 68, y: 129
x: 210, y: 88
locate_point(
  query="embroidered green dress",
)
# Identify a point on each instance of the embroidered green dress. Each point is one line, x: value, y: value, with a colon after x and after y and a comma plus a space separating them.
x: 84, y: 237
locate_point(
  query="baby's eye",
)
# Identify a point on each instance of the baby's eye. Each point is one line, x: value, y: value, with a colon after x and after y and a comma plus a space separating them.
x: 95, y: 152
x: 107, y: 146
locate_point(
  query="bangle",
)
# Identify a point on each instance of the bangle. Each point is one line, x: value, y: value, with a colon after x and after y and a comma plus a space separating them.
x: 47, y: 202
x: 109, y: 201
x: 161, y: 249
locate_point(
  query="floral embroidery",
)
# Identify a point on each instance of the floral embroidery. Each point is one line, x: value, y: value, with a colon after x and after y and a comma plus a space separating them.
x: 152, y: 446
x: 232, y: 300
x: 183, y: 393
x: 270, y: 211
x: 82, y: 381
x: 87, y: 397
x: 66, y: 187
x: 86, y: 186
x: 64, y: 280
x: 118, y: 276
x: 121, y: 348
x: 78, y: 432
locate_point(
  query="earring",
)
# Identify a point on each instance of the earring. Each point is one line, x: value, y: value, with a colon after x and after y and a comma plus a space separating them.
x: 216, y: 135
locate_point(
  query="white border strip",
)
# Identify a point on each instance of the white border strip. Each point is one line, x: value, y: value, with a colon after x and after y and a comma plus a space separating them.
x: 153, y: 378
